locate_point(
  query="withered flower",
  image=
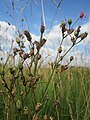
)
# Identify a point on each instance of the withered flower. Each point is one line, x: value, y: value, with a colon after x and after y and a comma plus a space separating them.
x: 38, y: 46
x: 83, y: 35
x: 43, y: 41
x: 71, y: 58
x: 38, y: 107
x: 27, y: 34
x: 64, y: 67
x: 42, y: 29
x: 59, y: 49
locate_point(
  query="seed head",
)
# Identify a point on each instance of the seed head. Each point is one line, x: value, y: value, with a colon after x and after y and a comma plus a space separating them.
x: 42, y: 29
x: 59, y: 49
x: 38, y: 107
x: 71, y: 58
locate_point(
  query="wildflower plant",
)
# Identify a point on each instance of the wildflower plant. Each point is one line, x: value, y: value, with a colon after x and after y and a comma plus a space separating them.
x: 20, y: 90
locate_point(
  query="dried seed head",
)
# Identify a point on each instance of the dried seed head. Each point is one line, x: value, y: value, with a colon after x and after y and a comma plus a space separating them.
x: 59, y: 49
x: 35, y: 117
x: 64, y: 67
x: 19, y: 104
x: 43, y: 41
x: 38, y: 45
x: 71, y: 58
x: 83, y: 35
x: 27, y: 34
x: 13, y: 93
x: 45, y: 117
x: 15, y: 50
x: 26, y: 111
x: 39, y: 57
x: 42, y: 29
x: 38, y: 107
x: 69, y: 21
x: 32, y: 52
x: 73, y: 39
x: 51, y: 118
x: 17, y: 40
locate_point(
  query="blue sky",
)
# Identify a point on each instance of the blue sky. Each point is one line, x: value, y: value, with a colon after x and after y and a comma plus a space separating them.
x: 31, y: 12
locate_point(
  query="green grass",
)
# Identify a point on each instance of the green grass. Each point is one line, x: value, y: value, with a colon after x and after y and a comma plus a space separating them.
x: 68, y: 96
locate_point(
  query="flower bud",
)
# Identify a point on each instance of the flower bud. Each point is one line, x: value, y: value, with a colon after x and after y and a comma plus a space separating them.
x: 17, y: 40
x: 69, y: 21
x: 76, y: 34
x: 71, y: 58
x: 63, y: 24
x: 42, y: 29
x: 59, y: 49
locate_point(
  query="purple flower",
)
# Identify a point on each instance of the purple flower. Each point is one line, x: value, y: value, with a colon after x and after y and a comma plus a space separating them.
x: 82, y: 15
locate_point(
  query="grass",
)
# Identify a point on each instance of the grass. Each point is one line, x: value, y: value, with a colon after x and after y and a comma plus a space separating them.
x: 67, y: 97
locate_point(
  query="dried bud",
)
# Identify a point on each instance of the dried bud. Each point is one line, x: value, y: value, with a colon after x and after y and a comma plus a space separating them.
x: 83, y: 35
x: 17, y: 40
x: 69, y: 21
x: 38, y: 46
x: 64, y: 67
x: 27, y: 34
x: 39, y: 56
x: 59, y: 49
x: 45, y: 117
x: 38, y: 107
x: 51, y: 118
x: 18, y: 104
x: 15, y: 50
x: 73, y: 39
x: 35, y: 117
x: 43, y: 42
x: 42, y: 29
x: 13, y: 93
x: 26, y: 111
x: 71, y: 58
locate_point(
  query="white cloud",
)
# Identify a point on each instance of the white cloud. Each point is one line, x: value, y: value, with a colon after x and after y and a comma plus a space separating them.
x: 8, y: 33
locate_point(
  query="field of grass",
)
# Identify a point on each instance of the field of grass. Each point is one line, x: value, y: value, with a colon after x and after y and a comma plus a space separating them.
x: 65, y: 97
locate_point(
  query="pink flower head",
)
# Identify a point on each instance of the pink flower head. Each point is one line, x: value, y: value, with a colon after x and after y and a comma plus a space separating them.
x: 82, y: 15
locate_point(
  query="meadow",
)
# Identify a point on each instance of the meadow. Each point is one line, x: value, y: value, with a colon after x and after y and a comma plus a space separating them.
x: 67, y: 97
